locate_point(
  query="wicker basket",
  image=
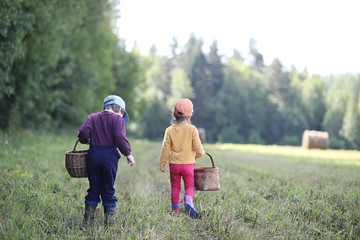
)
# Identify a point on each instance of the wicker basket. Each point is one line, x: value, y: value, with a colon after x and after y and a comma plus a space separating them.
x: 75, y: 162
x: 207, y: 178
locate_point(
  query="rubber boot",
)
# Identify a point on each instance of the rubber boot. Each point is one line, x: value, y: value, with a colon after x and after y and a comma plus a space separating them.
x: 89, y: 214
x: 175, y: 208
x: 109, y: 215
x: 189, y: 206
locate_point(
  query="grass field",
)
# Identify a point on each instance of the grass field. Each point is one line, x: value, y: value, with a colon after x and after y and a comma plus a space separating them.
x: 267, y: 192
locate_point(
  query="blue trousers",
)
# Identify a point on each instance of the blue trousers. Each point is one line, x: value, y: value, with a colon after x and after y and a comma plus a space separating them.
x: 102, y: 165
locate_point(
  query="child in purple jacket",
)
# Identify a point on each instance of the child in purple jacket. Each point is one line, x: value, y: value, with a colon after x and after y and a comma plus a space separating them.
x: 106, y: 134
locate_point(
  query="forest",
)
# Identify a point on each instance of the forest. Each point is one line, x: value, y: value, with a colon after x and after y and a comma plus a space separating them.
x: 60, y: 58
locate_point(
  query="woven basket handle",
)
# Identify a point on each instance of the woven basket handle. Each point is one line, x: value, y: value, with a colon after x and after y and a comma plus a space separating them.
x: 212, y: 161
x: 74, y: 150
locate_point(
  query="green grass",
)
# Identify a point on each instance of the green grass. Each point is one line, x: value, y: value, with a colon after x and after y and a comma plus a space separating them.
x: 267, y: 192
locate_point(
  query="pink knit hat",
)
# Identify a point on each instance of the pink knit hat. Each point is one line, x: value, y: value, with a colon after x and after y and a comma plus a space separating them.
x: 183, y: 107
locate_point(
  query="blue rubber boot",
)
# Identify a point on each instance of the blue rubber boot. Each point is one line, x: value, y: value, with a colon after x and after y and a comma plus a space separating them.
x: 189, y: 206
x: 175, y: 208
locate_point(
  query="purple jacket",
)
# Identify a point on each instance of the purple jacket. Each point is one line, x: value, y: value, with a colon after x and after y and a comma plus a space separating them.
x: 105, y: 128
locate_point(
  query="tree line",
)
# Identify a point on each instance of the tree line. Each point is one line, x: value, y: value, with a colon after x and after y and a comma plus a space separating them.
x: 239, y: 99
x: 60, y: 58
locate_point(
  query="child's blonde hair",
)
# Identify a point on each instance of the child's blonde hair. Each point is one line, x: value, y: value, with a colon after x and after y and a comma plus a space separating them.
x: 176, y: 119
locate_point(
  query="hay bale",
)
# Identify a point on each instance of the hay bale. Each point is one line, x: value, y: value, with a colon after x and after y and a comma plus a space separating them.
x: 315, y: 139
x: 202, y: 135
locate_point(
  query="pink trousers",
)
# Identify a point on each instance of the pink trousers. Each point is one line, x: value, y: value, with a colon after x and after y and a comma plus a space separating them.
x: 186, y: 171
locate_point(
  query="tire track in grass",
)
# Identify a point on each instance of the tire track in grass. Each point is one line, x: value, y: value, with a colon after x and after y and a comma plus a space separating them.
x: 144, y: 193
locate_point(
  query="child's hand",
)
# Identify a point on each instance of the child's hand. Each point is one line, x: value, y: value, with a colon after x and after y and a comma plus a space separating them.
x: 162, y: 170
x: 131, y: 160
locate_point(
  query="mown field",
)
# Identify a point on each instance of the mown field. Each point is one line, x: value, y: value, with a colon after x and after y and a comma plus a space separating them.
x: 267, y: 192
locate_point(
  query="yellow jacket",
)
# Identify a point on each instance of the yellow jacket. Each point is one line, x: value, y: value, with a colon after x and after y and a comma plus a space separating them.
x: 179, y: 144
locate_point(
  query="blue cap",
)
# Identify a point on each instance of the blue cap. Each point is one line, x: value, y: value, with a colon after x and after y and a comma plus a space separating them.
x: 113, y: 99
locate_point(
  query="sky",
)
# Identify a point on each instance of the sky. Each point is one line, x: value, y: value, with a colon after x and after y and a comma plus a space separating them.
x: 321, y: 36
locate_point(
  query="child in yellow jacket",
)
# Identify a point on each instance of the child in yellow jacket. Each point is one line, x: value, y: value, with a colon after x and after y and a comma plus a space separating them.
x: 180, y: 147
